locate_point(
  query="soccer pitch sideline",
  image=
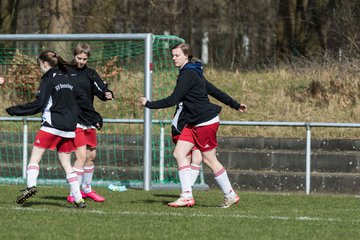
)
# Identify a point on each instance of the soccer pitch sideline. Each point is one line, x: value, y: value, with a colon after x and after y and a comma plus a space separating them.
x: 138, y: 214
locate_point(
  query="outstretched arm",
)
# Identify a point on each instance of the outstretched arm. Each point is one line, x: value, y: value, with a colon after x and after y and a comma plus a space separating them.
x: 100, y: 88
x: 223, y: 97
x: 35, y: 106
x: 183, y: 85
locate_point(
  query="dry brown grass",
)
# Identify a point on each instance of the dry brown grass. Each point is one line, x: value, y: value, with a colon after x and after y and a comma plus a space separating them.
x: 301, y: 92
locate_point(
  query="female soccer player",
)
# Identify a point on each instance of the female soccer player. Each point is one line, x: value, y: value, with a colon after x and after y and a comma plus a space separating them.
x: 178, y: 122
x: 202, y: 122
x: 92, y: 84
x: 58, y: 100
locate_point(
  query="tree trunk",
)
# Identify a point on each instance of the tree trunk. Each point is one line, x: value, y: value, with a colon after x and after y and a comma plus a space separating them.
x: 8, y: 16
x: 60, y: 22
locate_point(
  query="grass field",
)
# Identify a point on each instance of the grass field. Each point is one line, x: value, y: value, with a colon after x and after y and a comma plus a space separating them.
x: 138, y: 214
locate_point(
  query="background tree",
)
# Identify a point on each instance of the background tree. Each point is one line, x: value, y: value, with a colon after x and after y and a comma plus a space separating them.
x: 8, y: 19
x: 8, y: 16
x: 60, y: 21
x: 303, y: 27
x: 240, y: 34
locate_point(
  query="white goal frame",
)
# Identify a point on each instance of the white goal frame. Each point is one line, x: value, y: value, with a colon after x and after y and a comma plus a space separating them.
x: 148, y: 65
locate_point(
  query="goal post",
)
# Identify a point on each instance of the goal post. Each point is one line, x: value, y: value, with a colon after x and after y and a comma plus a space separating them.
x: 130, y: 142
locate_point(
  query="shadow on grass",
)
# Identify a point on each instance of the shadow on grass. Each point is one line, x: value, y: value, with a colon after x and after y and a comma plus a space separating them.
x: 165, y: 202
x: 167, y: 195
x: 54, y: 197
x: 38, y: 203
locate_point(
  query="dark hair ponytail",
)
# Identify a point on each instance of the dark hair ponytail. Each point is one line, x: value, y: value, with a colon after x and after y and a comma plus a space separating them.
x: 54, y: 60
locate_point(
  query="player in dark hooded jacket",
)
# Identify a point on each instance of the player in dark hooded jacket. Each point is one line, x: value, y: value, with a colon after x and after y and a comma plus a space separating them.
x: 179, y: 121
x: 202, y: 122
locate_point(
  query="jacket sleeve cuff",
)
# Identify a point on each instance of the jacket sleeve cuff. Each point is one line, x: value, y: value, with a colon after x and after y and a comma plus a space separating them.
x: 8, y: 110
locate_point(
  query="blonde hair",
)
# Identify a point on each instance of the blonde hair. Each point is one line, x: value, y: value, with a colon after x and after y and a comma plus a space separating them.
x: 82, y: 48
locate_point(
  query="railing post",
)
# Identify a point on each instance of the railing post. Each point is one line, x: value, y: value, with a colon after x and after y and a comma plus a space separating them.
x: 308, y: 157
x: 202, y: 178
x: 162, y: 153
x: 25, y: 148
x: 148, y: 69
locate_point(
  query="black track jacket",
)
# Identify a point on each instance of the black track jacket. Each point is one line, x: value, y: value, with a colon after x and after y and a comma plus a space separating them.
x: 88, y: 80
x: 191, y: 90
x: 59, y: 101
x: 179, y: 121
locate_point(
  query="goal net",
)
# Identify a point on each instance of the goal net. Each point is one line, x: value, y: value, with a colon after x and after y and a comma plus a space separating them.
x: 120, y: 151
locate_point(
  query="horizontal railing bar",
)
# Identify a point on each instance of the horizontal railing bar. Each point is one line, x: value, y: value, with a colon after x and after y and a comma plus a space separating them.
x: 240, y: 123
x: 73, y: 37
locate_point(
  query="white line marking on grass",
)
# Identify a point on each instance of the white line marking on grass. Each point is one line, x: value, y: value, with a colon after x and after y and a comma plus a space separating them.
x: 176, y: 214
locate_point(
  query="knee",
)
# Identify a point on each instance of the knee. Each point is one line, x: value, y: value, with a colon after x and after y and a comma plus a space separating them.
x: 178, y: 155
x: 206, y: 161
x: 197, y: 159
x: 80, y: 157
x: 91, y: 156
x: 175, y: 154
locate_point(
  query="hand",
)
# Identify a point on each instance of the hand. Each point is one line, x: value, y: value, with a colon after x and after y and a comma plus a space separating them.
x: 143, y: 101
x: 2, y: 80
x: 242, y: 108
x: 99, y: 125
x: 109, y: 95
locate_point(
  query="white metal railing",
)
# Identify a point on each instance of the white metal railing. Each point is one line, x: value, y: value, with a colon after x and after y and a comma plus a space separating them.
x: 306, y: 125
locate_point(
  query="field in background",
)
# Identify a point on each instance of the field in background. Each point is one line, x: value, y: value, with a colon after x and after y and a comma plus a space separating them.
x: 138, y: 214
x: 303, y: 91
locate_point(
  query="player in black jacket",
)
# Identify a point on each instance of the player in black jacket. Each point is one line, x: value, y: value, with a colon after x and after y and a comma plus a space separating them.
x: 202, y: 122
x: 178, y: 122
x: 91, y: 83
x: 59, y: 100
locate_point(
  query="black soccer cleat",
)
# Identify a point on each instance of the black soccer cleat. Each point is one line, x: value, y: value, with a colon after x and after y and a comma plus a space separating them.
x: 26, y: 193
x: 80, y: 204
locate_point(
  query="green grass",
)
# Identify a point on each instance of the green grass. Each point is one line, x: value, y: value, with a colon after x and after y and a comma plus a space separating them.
x: 138, y: 214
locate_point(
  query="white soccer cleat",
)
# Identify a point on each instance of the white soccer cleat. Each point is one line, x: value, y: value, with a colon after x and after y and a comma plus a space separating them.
x: 228, y: 202
x: 182, y: 202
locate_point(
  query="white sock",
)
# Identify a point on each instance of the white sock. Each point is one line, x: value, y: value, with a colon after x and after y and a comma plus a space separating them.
x: 32, y: 173
x: 185, y: 181
x: 74, y: 184
x: 223, y: 181
x: 87, y: 179
x: 195, y: 170
x: 80, y: 173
